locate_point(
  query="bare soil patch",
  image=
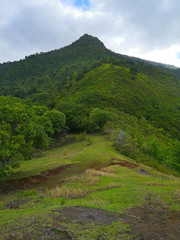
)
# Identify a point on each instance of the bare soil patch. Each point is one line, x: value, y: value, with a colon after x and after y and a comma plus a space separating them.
x: 85, y: 215
x: 143, y: 172
x: 149, y: 223
x: 32, y: 181
x: 146, y: 223
x: 17, y: 203
x: 123, y: 163
x: 41, y: 234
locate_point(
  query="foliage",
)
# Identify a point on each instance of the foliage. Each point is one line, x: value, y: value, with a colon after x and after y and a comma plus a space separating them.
x: 21, y: 131
x: 57, y: 119
x: 145, y: 143
x: 82, y: 136
x: 99, y: 117
x: 136, y: 96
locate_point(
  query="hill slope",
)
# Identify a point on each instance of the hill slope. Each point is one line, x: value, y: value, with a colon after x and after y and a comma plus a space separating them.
x: 42, y: 75
x: 93, y: 86
x: 114, y: 199
x: 137, y: 87
x: 48, y: 72
x: 153, y: 96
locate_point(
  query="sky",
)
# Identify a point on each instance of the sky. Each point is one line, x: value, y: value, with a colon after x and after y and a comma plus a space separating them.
x: 148, y: 29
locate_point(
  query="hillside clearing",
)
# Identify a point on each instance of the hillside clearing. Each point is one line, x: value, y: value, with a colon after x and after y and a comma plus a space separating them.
x: 94, y: 183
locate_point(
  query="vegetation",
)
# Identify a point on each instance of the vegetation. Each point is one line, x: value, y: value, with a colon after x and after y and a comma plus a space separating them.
x: 24, y: 129
x: 115, y: 94
x: 98, y: 180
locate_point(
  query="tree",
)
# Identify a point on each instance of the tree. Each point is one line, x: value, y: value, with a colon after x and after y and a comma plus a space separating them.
x: 57, y: 119
x: 23, y: 129
x: 99, y: 117
x: 76, y: 115
x: 15, y: 139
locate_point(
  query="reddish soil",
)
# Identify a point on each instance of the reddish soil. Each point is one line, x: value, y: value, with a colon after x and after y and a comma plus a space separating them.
x: 37, y: 180
x: 30, y: 182
x: 151, y: 223
x: 123, y: 163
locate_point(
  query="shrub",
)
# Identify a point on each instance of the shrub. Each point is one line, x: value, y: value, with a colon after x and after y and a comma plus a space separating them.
x: 82, y: 136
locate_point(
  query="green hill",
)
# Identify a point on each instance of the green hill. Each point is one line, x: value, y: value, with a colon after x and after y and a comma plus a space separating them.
x: 98, y: 91
x: 46, y: 73
x: 101, y: 133
x: 41, y: 76
x: 153, y: 96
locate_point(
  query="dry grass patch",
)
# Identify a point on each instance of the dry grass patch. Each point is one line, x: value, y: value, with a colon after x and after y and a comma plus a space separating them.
x: 79, y: 186
x: 86, y: 177
x: 76, y: 186
x: 99, y: 202
x: 68, y: 192
x: 110, y: 169
x: 93, y: 172
x: 176, y: 196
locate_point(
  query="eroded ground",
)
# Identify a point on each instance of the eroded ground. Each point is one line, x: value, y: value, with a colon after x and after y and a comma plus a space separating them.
x: 93, y: 196
x: 146, y: 223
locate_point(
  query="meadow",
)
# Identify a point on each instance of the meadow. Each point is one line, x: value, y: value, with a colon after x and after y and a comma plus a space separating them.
x: 82, y: 190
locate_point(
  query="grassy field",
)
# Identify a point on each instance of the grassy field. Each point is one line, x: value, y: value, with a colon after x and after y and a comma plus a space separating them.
x: 97, y: 177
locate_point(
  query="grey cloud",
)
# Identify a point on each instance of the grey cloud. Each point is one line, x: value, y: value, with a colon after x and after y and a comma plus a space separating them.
x: 149, y: 23
x: 32, y: 26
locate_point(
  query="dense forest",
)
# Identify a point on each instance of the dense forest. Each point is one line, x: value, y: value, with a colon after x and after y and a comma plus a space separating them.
x: 86, y: 88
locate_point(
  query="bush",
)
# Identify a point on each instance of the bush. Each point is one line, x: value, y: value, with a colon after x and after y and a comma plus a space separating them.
x: 82, y: 136
x: 109, y: 127
x: 5, y: 171
x: 128, y: 150
x: 98, y: 118
x: 89, y: 142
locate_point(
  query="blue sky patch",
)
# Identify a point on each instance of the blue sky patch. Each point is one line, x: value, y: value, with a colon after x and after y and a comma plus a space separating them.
x: 178, y: 55
x: 82, y: 3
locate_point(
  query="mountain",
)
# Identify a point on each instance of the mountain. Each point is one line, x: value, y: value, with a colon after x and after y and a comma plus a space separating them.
x: 93, y: 86
x: 46, y: 73
x: 104, y: 133
x: 135, y: 86
x: 41, y: 78
x: 51, y: 69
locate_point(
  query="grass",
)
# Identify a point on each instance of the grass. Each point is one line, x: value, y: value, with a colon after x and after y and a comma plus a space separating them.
x: 77, y: 152
x: 90, y: 183
x: 115, y: 231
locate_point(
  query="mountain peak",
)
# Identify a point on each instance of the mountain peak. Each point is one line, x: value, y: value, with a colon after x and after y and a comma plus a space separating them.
x: 87, y: 40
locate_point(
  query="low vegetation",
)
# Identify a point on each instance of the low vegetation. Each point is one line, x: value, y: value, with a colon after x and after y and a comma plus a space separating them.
x: 87, y: 152
x: 107, y: 184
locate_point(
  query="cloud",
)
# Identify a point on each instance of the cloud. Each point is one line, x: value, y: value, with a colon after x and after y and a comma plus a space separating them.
x: 178, y: 55
x: 82, y: 3
x: 147, y: 29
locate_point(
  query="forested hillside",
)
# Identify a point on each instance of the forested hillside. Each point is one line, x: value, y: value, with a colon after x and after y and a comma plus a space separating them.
x: 96, y: 91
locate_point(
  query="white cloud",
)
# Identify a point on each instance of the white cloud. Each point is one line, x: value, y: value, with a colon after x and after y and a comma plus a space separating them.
x: 144, y: 28
x: 167, y: 56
